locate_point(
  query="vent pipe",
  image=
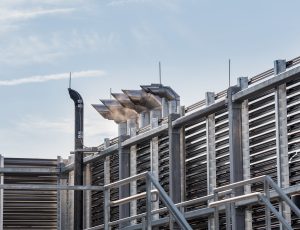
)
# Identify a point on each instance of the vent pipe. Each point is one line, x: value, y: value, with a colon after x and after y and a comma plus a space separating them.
x: 78, y: 164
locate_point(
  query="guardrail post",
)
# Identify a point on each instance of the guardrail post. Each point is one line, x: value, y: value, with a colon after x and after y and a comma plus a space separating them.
x: 281, y: 138
x: 148, y: 203
x: 106, y: 195
x: 235, y: 154
x: 1, y: 192
x: 124, y: 172
x: 175, y: 165
x: 243, y: 84
x: 211, y: 152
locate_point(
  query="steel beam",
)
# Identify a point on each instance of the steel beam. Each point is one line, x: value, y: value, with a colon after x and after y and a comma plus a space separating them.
x: 235, y: 154
x: 106, y: 206
x: 87, y: 204
x: 211, y: 152
x: 31, y: 170
x: 243, y: 84
x: 175, y: 165
x: 289, y: 75
x: 282, y: 138
x: 124, y: 172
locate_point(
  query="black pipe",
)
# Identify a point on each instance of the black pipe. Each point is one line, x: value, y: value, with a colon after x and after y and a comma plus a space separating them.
x: 78, y: 164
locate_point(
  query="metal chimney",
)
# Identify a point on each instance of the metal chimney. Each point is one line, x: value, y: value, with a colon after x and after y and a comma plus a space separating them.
x: 78, y: 164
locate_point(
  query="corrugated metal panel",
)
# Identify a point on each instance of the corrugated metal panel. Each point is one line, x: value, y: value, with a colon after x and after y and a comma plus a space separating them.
x: 30, y: 209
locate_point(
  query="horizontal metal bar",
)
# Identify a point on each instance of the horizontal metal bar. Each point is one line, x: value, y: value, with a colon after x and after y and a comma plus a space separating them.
x: 203, y: 212
x: 146, y: 135
x: 255, y: 90
x: 126, y: 180
x: 199, y: 114
x: 48, y: 187
x: 234, y: 199
x: 240, y: 183
x: 102, y: 154
x: 30, y: 170
x: 130, y: 198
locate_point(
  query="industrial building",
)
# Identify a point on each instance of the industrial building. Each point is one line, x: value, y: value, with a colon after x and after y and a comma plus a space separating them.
x: 229, y: 161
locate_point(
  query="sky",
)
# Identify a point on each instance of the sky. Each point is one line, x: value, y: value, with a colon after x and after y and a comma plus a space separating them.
x: 117, y: 44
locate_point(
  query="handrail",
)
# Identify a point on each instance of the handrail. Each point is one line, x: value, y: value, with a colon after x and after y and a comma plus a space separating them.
x: 267, y: 181
x: 180, y: 219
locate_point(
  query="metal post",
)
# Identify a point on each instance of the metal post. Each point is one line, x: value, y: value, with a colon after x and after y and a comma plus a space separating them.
x: 106, y: 207
x: 87, y: 197
x: 78, y: 164
x: 211, y: 152
x: 71, y: 197
x: 281, y: 139
x: 182, y: 159
x: 174, y: 159
x: 243, y: 84
x: 148, y: 204
x: 124, y: 172
x: 58, y: 196
x: 267, y: 210
x: 132, y: 128
x: 235, y: 154
x: 154, y: 116
x: 1, y: 193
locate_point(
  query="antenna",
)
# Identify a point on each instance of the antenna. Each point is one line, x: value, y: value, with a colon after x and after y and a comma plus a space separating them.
x: 229, y: 80
x: 110, y: 93
x: 159, y: 72
x: 70, y: 80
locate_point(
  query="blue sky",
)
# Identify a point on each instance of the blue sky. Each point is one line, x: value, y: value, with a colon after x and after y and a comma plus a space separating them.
x: 117, y: 44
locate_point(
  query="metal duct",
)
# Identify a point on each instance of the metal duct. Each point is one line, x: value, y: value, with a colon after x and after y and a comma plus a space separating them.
x: 119, y: 113
x: 125, y: 101
x: 142, y: 98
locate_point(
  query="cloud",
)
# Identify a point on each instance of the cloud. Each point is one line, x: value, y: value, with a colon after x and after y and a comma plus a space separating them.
x: 8, y: 14
x: 52, y: 77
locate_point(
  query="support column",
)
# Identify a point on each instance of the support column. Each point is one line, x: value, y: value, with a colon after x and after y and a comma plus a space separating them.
x: 133, y: 171
x: 106, y: 208
x: 235, y: 154
x: 131, y: 131
x: 71, y: 197
x: 174, y: 158
x: 154, y: 116
x: 124, y: 172
x: 87, y: 196
x: 281, y: 138
x: 211, y: 152
x: 1, y: 192
x: 182, y: 158
x: 243, y: 84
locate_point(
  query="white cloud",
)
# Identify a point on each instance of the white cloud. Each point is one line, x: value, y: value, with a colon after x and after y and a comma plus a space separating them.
x: 8, y: 14
x: 52, y: 77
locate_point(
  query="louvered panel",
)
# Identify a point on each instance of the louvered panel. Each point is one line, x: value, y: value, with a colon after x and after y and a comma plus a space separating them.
x: 97, y: 172
x: 222, y: 147
x: 30, y: 209
x: 142, y: 165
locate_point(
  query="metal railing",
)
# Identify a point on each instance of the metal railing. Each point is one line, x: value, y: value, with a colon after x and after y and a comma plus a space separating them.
x: 150, y: 180
x: 262, y: 197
